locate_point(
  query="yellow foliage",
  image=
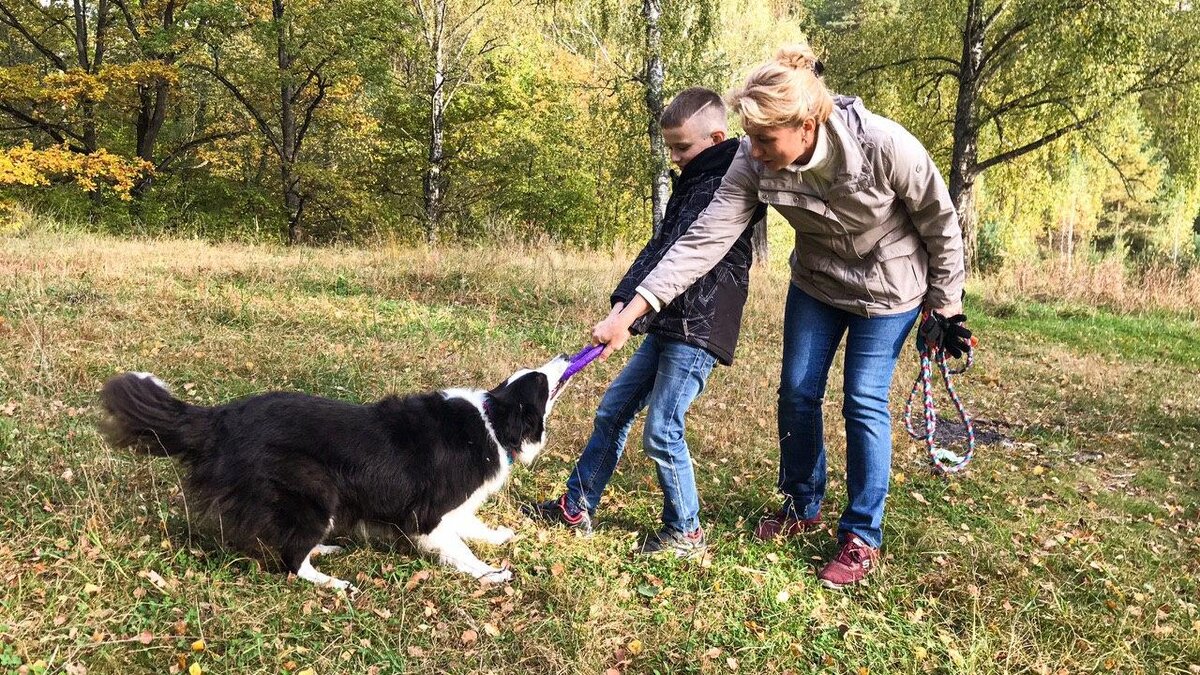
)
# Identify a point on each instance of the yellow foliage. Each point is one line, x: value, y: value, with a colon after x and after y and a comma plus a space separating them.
x: 78, y: 86
x: 24, y: 165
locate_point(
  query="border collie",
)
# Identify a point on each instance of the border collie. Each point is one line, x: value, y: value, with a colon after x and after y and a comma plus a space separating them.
x: 278, y: 474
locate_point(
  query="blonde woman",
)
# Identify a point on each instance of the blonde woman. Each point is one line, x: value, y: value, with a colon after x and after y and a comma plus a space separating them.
x: 877, y: 240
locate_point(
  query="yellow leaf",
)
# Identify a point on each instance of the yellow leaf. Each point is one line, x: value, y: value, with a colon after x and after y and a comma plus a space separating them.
x: 635, y: 647
x: 195, y: 669
x: 198, y: 646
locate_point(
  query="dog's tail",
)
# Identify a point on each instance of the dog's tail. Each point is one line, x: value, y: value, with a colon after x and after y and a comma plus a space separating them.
x: 140, y: 413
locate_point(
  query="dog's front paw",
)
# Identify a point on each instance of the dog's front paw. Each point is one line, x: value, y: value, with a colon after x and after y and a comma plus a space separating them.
x: 501, y: 535
x: 497, y: 577
x: 341, y: 585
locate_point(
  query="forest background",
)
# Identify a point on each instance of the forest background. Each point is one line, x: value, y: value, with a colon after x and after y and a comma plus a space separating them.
x: 1065, y: 129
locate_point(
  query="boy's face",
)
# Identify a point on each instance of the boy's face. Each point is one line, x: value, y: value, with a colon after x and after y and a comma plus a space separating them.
x: 694, y: 137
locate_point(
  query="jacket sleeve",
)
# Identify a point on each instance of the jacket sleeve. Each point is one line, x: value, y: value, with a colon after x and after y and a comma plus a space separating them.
x: 642, y: 264
x: 916, y: 181
x: 715, y: 231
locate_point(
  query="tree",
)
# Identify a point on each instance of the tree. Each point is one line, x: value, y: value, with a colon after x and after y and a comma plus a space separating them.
x: 452, y: 48
x: 307, y: 50
x: 1021, y: 73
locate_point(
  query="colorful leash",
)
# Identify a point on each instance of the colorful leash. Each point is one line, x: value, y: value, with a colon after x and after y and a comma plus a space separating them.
x: 944, y: 461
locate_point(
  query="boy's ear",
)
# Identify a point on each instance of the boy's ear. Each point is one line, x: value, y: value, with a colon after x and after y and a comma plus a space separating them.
x: 718, y: 136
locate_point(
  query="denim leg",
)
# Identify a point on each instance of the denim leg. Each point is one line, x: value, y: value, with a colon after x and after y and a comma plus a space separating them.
x: 625, y: 397
x: 683, y: 370
x: 811, y: 333
x: 872, y: 348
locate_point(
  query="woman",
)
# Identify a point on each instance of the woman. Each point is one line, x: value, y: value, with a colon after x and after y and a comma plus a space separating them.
x: 877, y: 240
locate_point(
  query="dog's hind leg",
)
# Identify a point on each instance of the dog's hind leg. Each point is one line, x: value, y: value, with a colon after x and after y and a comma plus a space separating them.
x: 451, y: 550
x: 309, y: 526
x: 323, y: 549
x: 309, y: 573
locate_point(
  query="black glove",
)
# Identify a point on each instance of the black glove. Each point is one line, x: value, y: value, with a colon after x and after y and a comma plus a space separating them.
x: 950, y: 335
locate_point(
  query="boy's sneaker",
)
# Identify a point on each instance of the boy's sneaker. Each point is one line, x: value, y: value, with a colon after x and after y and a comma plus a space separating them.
x: 682, y: 544
x: 556, y: 511
x: 784, y: 524
x: 850, y: 566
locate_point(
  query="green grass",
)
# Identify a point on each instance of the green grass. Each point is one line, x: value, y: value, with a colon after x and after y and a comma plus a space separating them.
x: 1071, y: 546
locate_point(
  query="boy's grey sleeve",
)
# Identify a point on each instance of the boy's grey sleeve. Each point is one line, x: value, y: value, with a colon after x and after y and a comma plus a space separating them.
x: 715, y: 231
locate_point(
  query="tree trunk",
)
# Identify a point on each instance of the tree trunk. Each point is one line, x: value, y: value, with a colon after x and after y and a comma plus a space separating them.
x: 660, y: 192
x: 434, y: 193
x: 963, y: 162
x: 759, y: 244
x: 293, y: 200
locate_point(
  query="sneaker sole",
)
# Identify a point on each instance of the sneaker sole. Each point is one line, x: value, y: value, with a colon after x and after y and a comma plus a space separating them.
x: 837, y: 587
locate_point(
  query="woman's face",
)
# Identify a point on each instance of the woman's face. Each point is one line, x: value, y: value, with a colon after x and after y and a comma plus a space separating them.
x: 782, y: 145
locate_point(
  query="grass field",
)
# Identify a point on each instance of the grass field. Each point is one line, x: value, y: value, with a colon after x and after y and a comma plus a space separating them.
x: 1071, y: 546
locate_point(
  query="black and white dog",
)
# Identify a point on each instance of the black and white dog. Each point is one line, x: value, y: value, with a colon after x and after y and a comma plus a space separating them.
x: 278, y: 474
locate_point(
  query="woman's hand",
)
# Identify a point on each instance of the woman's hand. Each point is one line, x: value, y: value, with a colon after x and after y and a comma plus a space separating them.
x: 947, y: 311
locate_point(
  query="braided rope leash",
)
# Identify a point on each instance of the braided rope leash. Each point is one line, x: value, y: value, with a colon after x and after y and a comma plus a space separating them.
x: 944, y: 461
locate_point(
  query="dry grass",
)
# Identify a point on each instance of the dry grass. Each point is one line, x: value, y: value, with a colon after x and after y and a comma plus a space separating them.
x: 1106, y: 283
x: 1070, y: 546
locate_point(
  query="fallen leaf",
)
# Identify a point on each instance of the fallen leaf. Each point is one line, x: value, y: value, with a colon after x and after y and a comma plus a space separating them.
x: 491, y: 629
x: 469, y: 637
x: 195, y: 669
x: 146, y: 637
x: 920, y: 498
x: 198, y: 646
x: 635, y: 647
x: 416, y: 579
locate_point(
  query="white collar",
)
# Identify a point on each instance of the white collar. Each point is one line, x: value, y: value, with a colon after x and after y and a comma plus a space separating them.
x: 822, y: 155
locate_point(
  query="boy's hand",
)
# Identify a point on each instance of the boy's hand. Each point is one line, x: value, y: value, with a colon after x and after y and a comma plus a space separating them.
x: 613, y: 331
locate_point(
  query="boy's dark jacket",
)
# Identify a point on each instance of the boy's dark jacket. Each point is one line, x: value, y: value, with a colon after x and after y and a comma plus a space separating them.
x: 709, y: 313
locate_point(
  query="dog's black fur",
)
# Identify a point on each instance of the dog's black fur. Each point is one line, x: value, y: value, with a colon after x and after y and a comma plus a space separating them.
x: 278, y: 473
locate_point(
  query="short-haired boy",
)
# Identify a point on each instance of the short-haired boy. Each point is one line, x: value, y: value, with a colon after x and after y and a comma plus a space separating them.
x: 683, y: 340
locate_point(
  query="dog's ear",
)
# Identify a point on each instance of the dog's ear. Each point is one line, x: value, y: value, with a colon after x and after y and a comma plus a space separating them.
x: 506, y: 416
x: 519, y: 408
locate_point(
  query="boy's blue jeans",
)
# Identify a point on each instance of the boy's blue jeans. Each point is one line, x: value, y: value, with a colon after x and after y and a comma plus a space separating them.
x: 811, y: 334
x: 664, y: 375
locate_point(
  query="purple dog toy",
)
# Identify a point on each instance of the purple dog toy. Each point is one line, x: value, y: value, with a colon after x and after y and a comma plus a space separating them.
x: 584, y: 357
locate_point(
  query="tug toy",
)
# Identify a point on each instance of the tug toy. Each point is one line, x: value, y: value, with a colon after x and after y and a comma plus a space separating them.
x: 578, y: 362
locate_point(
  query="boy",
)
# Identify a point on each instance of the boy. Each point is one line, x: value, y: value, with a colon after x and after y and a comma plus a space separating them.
x: 683, y: 341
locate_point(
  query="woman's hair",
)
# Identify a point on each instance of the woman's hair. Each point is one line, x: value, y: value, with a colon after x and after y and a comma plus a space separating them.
x: 785, y: 90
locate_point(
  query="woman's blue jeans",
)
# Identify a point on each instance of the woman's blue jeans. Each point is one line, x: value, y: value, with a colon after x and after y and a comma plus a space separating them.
x: 665, y: 376
x: 811, y: 334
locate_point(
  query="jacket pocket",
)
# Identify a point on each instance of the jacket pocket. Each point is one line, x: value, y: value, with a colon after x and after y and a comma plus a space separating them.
x: 899, y: 273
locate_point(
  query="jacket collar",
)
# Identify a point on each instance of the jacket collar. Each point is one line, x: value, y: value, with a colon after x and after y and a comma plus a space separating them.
x: 714, y: 160
x: 851, y: 171
x: 846, y: 123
